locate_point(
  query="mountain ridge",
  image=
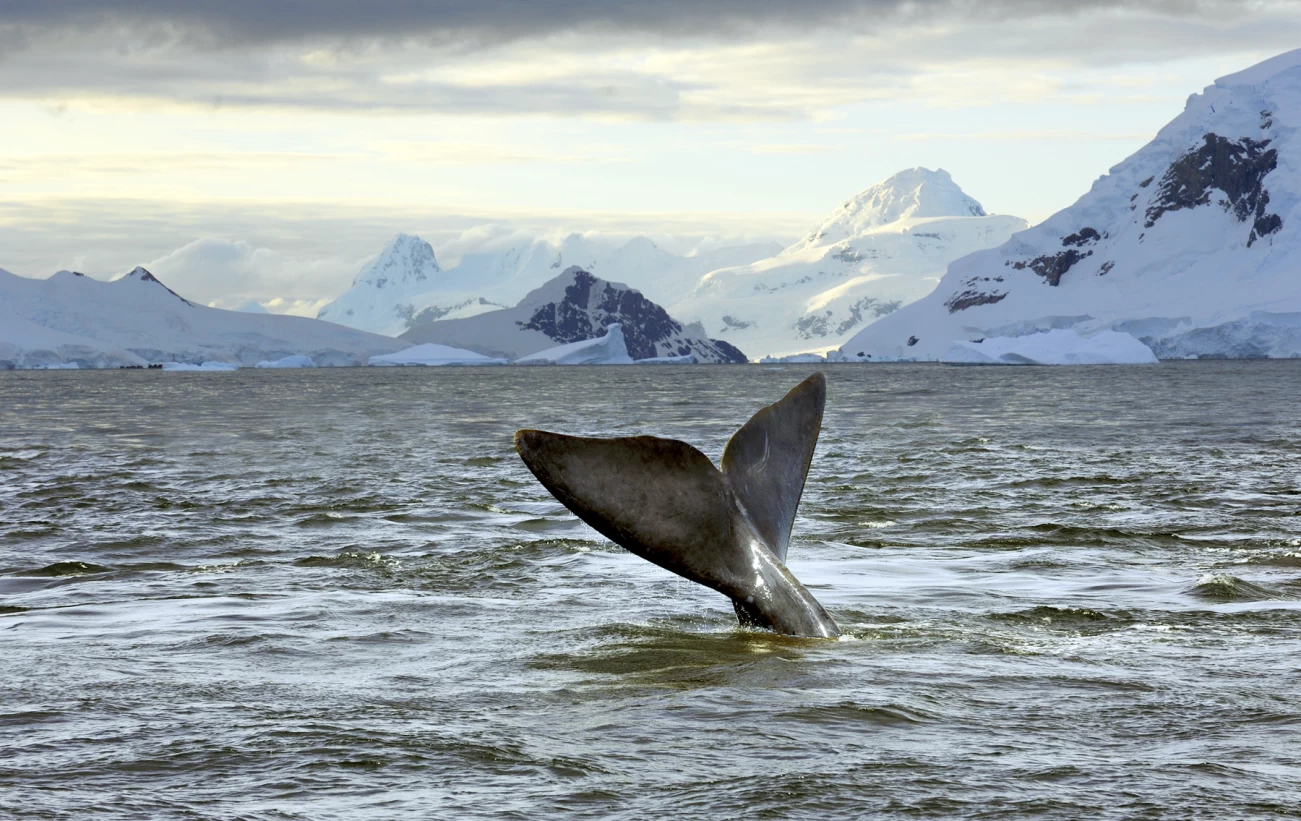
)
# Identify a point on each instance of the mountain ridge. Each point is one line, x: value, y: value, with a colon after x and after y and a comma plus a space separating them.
x: 1187, y: 244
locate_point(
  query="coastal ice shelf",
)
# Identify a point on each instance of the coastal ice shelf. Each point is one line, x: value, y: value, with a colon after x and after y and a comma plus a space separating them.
x: 1057, y: 347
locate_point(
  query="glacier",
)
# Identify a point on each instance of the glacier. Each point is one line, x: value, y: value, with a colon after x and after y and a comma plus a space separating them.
x: 295, y: 361
x: 1055, y: 347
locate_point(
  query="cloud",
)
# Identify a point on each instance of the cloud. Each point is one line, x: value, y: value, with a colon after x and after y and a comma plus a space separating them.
x: 231, y: 272
x: 467, y: 153
x: 697, y: 60
x: 223, y: 23
x: 795, y: 148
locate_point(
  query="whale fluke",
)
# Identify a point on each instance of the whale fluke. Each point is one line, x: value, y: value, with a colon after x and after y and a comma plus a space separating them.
x: 665, y: 501
x: 768, y: 459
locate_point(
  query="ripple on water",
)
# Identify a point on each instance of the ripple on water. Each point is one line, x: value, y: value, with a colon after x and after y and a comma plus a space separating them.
x: 338, y: 594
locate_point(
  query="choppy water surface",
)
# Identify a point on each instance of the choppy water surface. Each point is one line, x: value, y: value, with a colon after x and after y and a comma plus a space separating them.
x: 338, y: 594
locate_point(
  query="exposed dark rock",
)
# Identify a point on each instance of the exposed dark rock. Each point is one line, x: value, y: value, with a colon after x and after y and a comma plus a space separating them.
x: 1106, y: 268
x: 1052, y: 266
x: 1263, y: 226
x: 644, y: 322
x: 591, y: 305
x: 810, y: 326
x: 970, y: 298
x: 1145, y: 183
x: 1236, y: 167
x: 1084, y: 236
x: 730, y: 352
x: 731, y: 323
x: 912, y: 340
x: 436, y: 312
x: 145, y: 276
x: 847, y: 255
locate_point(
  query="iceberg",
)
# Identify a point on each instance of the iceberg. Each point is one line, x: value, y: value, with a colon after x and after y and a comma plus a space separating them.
x: 795, y: 358
x: 432, y: 354
x: 297, y: 361
x: 206, y: 366
x: 1056, y: 347
x: 610, y: 349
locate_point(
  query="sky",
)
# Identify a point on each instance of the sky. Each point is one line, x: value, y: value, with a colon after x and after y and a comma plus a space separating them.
x: 265, y: 149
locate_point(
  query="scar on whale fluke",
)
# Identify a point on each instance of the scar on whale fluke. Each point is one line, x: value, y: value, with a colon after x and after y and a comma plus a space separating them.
x: 727, y: 529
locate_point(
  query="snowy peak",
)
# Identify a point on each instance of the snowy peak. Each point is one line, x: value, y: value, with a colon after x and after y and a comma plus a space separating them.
x: 1263, y: 71
x: 139, y: 274
x: 916, y: 193
x: 405, y: 261
x: 577, y: 306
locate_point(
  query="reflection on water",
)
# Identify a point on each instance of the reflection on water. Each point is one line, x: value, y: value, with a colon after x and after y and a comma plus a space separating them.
x: 338, y: 594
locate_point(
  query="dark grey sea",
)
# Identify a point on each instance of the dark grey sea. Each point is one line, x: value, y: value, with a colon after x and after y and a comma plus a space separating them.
x: 338, y: 594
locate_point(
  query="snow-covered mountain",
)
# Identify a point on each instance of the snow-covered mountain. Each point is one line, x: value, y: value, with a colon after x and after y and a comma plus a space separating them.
x: 405, y: 287
x: 380, y: 298
x: 136, y: 320
x: 573, y: 307
x: 883, y: 249
x: 1192, y: 244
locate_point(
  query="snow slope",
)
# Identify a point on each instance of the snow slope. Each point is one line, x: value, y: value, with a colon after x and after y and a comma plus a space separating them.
x: 573, y: 307
x: 882, y: 249
x: 1191, y: 244
x: 405, y: 287
x: 135, y: 320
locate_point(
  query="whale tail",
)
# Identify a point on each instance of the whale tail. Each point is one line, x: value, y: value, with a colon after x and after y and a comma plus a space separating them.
x: 664, y: 500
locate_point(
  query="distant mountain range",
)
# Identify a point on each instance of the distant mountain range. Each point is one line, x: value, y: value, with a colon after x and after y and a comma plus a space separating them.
x: 881, y: 250
x: 405, y: 286
x: 1192, y: 244
x: 71, y: 318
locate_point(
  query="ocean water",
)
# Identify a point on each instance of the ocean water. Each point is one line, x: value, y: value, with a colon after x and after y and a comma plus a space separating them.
x: 338, y: 594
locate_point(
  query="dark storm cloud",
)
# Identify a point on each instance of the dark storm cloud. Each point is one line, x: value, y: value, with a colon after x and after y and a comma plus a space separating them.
x: 234, y: 22
x: 546, y: 56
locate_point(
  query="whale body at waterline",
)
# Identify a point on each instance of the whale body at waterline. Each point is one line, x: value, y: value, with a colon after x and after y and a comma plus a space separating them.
x: 728, y: 529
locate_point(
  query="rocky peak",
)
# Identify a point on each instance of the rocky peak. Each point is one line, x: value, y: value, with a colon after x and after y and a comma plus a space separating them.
x: 405, y: 261
x: 577, y: 306
x: 139, y: 274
